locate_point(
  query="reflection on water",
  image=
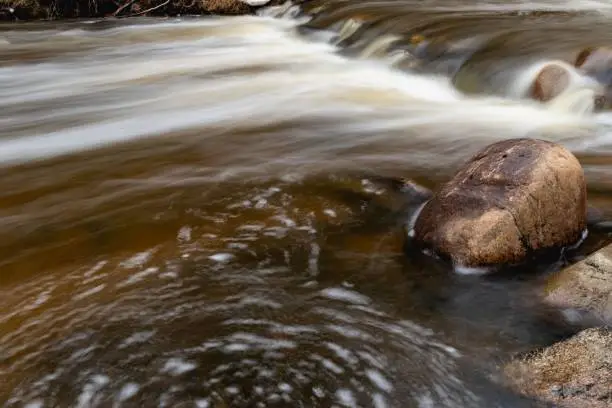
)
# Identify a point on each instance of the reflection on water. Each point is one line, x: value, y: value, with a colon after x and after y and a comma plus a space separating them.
x: 193, y: 215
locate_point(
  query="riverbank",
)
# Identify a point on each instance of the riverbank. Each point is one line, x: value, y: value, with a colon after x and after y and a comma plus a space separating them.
x: 26, y: 10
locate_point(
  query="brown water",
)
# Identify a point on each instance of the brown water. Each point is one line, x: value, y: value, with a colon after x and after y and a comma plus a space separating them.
x: 193, y: 212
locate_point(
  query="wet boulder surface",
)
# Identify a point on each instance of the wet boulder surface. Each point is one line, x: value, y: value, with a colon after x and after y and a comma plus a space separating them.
x: 513, y: 201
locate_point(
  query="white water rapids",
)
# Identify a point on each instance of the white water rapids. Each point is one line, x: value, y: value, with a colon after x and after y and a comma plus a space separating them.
x: 219, y: 77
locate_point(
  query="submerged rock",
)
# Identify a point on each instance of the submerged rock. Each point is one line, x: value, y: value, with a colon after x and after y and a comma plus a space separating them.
x: 513, y: 200
x: 563, y: 86
x: 585, y: 286
x: 573, y: 373
x: 596, y: 62
x: 550, y: 81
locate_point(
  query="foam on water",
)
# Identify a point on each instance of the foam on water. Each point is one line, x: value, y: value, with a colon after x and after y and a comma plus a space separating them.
x: 465, y: 270
x: 359, y: 106
x: 128, y: 391
x: 348, y: 296
x: 578, y: 96
x: 176, y: 366
x: 252, y: 348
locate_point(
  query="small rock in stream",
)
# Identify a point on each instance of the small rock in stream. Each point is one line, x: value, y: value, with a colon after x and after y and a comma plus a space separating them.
x: 596, y: 62
x: 565, y: 87
x: 551, y: 81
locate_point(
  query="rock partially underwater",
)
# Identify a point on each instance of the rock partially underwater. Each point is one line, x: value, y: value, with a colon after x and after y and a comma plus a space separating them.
x: 568, y: 87
x: 562, y: 87
x: 576, y: 372
x: 513, y: 201
x: 596, y: 63
x: 584, y: 288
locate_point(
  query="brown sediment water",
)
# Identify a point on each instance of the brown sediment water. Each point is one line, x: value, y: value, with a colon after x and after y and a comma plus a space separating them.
x: 192, y: 211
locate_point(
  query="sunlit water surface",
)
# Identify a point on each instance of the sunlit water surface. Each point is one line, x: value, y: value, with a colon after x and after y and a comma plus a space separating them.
x: 196, y: 211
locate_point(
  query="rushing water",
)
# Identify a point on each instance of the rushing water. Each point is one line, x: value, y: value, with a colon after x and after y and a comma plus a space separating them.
x: 195, y: 211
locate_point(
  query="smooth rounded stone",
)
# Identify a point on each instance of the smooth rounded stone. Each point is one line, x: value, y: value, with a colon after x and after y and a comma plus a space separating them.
x: 562, y: 85
x: 585, y: 287
x: 513, y: 200
x: 550, y: 82
x: 575, y: 373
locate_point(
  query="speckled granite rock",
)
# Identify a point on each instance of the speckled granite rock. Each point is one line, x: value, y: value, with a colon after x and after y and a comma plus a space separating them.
x: 576, y: 373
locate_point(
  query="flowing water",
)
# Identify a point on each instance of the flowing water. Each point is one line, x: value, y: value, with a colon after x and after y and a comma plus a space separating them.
x: 198, y: 212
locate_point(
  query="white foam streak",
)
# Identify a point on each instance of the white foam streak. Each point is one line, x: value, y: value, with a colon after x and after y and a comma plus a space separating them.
x: 254, y: 73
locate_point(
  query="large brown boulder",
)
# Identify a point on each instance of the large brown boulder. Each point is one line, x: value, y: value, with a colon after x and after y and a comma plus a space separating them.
x: 512, y: 200
x: 576, y: 373
x: 585, y: 287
